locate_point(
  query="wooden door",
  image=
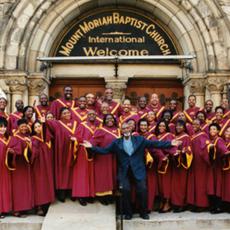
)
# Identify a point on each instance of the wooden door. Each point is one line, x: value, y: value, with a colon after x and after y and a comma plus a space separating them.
x: 80, y: 87
x: 166, y: 89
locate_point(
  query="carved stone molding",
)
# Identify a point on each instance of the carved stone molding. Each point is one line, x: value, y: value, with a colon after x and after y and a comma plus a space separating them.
x: 197, y: 86
x: 36, y: 84
x: 118, y: 87
x: 17, y: 85
x: 216, y: 84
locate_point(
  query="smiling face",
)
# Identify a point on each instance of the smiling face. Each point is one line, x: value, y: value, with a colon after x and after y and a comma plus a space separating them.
x: 162, y: 127
x: 23, y: 128
x: 44, y: 100
x: 191, y: 101
x: 19, y: 105
x: 227, y: 134
x: 196, y: 125
x: 3, y: 129
x: 82, y: 102
x: 108, y: 94
x: 126, y: 130
x: 142, y: 102
x: 126, y: 106
x: 208, y: 106
x: 90, y: 99
x: 29, y: 113
x: 109, y: 121
x: 143, y: 126
x: 154, y: 99
x: 37, y: 128
x: 213, y: 131
x: 66, y: 115
x: 68, y: 92
x: 219, y: 114
x: 3, y: 104
x: 91, y: 115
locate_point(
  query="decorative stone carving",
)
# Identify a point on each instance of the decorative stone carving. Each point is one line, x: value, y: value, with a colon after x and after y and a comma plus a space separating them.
x: 197, y: 86
x: 118, y: 88
x: 216, y: 83
x: 17, y: 85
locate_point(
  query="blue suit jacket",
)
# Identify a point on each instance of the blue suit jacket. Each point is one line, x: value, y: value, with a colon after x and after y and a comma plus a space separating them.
x: 136, y: 161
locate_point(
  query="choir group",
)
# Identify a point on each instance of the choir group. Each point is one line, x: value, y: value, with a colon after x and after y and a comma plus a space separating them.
x: 41, y: 156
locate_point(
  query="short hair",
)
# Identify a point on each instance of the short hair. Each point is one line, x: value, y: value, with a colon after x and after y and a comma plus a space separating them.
x: 219, y: 107
x: 114, y: 119
x: 215, y: 125
x: 22, y: 121
x: 192, y: 95
x: 182, y: 123
x: 157, y: 127
x: 139, y: 123
x: 202, y: 113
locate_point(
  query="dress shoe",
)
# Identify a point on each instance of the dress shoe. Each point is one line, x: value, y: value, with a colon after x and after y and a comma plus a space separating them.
x: 82, y: 202
x: 178, y: 209
x: 128, y: 217
x: 103, y: 200
x: 216, y: 211
x: 144, y: 216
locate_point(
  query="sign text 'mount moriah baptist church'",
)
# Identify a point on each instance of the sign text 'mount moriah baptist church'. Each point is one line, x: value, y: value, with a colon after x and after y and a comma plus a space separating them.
x: 136, y: 47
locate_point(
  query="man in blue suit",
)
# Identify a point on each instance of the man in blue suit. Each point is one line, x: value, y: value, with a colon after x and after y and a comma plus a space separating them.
x: 130, y: 152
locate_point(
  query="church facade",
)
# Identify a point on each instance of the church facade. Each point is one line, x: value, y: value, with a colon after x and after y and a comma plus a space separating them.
x: 137, y: 47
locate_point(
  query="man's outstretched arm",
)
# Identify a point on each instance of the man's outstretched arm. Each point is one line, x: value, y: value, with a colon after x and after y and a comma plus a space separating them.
x: 161, y: 144
x: 108, y: 149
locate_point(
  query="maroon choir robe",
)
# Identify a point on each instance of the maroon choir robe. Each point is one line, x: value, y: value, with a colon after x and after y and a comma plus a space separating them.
x: 152, y: 128
x: 190, y: 113
x: 175, y: 116
x: 165, y: 169
x: 182, y: 163
x: 42, y: 170
x: 79, y: 115
x: 215, y: 176
x: 104, y: 165
x: 22, y: 192
x: 142, y: 113
x: 58, y: 104
x: 4, y: 114
x: 226, y: 114
x: 5, y: 180
x: 83, y: 172
x: 226, y: 178
x: 199, y: 171
x: 209, y: 116
x: 114, y: 108
x: 41, y: 110
x: 64, y: 151
x: 12, y: 122
x: 128, y: 116
x: 157, y: 109
x: 224, y: 125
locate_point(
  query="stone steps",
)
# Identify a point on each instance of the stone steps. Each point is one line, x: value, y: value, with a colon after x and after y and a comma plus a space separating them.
x: 29, y: 223
x: 179, y: 221
x: 72, y: 216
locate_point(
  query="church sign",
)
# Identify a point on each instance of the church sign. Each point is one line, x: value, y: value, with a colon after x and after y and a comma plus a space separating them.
x: 119, y: 32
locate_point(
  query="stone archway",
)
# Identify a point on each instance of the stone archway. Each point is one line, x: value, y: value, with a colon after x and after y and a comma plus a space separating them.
x: 201, y: 28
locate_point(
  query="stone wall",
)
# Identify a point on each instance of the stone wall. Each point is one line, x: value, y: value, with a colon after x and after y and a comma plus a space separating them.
x: 29, y: 29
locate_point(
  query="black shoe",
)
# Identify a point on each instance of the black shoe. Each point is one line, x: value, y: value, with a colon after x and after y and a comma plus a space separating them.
x: 103, y: 201
x: 82, y: 202
x: 73, y: 199
x: 178, y: 209
x: 144, y: 216
x: 128, y: 217
x: 216, y: 211
x: 90, y: 200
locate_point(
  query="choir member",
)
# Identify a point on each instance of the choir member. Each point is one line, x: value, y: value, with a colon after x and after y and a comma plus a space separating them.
x: 162, y: 132
x: 151, y: 118
x: 208, y: 107
x: 155, y: 106
x: 127, y: 113
x: 200, y: 168
x: 28, y: 115
x: 83, y: 172
x: 105, y: 165
x: 80, y: 113
x: 91, y: 102
x: 189, y: 127
x: 49, y: 116
x: 226, y: 174
x: 142, y: 109
x: 183, y: 159
x: 224, y: 123
x: 5, y: 180
x: 173, y: 108
x: 201, y: 116
x: 42, y: 109
x: 152, y: 159
x: 66, y: 101
x: 190, y: 113
x: 3, y: 104
x: 167, y: 116
x: 42, y: 168
x: 225, y: 106
x: 114, y: 107
x: 65, y: 148
x: 18, y: 160
x: 14, y: 117
x: 218, y: 153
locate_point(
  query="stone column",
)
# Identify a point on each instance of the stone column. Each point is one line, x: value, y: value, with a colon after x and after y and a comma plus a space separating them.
x: 36, y: 84
x: 195, y: 84
x: 17, y: 87
x: 215, y: 84
x: 118, y: 86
